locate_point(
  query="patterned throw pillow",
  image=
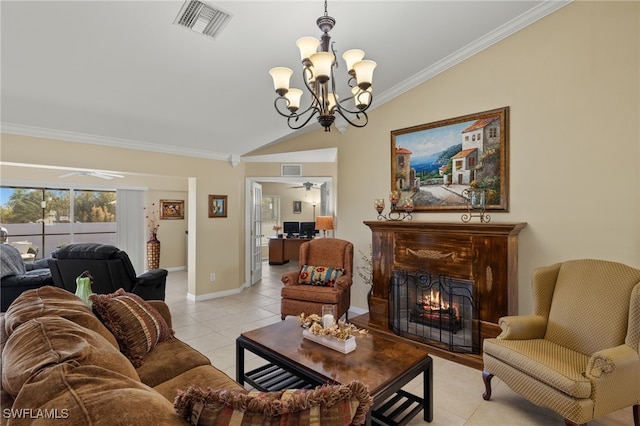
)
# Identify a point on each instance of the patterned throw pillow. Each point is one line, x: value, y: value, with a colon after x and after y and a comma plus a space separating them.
x: 137, y: 326
x: 326, y: 405
x: 319, y: 275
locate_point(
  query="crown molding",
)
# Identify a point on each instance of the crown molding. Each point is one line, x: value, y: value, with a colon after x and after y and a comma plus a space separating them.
x: 63, y: 135
x: 473, y: 48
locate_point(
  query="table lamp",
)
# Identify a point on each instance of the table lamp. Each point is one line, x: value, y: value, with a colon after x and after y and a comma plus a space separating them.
x: 324, y: 223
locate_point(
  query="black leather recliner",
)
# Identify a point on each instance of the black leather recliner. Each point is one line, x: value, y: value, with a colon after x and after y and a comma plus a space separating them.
x: 110, y: 267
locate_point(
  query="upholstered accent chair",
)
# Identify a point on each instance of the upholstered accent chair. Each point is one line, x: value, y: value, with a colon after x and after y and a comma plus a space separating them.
x: 578, y: 353
x: 110, y: 267
x: 330, y: 253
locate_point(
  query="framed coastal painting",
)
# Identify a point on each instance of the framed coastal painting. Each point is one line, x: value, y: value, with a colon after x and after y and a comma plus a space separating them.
x: 433, y: 164
x: 171, y: 209
x: 217, y: 206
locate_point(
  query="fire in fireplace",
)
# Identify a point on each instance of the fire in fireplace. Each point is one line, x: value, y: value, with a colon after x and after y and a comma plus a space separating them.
x: 441, y: 312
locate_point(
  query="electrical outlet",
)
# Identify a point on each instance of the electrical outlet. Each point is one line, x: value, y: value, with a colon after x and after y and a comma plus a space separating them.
x: 212, y: 277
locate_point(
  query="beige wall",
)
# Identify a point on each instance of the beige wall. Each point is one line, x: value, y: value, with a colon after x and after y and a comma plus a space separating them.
x: 571, y: 81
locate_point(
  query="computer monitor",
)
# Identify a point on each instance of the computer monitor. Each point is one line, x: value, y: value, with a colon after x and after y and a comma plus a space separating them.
x: 291, y: 228
x: 307, y: 229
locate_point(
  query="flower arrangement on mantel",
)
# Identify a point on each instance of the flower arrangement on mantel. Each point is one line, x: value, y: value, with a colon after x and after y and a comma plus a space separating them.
x: 340, y: 331
x: 152, y: 220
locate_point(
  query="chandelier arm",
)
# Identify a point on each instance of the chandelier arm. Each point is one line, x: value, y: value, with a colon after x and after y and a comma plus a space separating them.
x: 294, y: 116
x: 315, y: 101
x: 358, y: 111
x: 289, y: 119
x: 364, y: 114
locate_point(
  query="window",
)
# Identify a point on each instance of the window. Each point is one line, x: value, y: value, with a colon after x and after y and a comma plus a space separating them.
x: 50, y: 218
x: 493, y: 132
x: 270, y: 217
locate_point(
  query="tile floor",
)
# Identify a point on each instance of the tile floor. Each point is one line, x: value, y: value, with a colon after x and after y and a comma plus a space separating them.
x: 212, y: 326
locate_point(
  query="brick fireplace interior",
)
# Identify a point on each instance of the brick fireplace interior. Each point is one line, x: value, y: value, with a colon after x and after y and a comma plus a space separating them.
x: 469, y: 270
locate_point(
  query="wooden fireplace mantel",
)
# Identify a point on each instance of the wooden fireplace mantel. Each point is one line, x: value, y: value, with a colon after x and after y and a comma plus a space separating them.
x: 484, y: 253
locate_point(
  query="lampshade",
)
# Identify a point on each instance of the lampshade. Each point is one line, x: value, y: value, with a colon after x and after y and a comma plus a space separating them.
x: 364, y: 73
x: 324, y: 223
x: 307, y: 46
x: 352, y: 56
x: 281, y: 76
x: 294, y: 95
x: 322, y: 62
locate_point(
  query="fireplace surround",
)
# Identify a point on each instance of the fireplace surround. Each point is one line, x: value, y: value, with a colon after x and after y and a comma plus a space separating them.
x: 484, y: 255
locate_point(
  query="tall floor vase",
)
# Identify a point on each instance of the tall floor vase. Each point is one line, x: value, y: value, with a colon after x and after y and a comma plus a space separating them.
x: 153, y: 252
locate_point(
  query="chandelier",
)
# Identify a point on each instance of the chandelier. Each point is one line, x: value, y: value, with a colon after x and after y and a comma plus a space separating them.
x: 318, y: 77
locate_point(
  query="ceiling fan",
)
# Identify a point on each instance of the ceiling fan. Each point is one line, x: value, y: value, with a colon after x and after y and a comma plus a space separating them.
x: 307, y: 185
x: 101, y: 175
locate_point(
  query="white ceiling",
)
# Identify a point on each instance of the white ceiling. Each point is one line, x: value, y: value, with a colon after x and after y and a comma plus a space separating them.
x: 121, y: 73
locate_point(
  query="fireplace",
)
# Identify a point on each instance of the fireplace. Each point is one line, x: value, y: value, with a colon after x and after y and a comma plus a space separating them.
x: 437, y: 310
x: 480, y: 260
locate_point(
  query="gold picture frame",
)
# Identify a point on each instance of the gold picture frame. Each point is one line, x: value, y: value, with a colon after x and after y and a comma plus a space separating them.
x: 171, y: 209
x: 432, y: 164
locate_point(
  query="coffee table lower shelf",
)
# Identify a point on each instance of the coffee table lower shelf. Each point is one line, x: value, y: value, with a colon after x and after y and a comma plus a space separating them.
x: 397, y: 410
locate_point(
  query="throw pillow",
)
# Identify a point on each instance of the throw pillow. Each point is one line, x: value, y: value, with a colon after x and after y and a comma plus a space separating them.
x: 330, y: 405
x: 319, y: 275
x: 137, y: 326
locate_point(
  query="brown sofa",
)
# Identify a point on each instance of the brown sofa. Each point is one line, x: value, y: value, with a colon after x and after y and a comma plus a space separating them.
x: 62, y: 364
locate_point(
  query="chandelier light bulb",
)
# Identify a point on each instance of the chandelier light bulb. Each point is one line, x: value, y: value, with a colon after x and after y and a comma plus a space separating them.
x: 351, y: 57
x: 308, y: 46
x: 361, y: 98
x: 281, y: 76
x: 322, y: 62
x: 364, y: 73
x: 293, y: 96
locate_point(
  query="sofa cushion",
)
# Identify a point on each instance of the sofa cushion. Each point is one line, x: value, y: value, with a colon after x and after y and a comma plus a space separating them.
x: 137, y: 326
x: 156, y: 369
x: 203, y: 376
x: 325, y: 405
x: 90, y: 395
x: 53, y: 301
x: 319, y: 275
x: 45, y: 341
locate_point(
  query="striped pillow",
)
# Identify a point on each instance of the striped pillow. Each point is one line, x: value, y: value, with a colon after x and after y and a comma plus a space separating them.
x: 137, y: 326
x: 328, y: 405
x: 319, y: 275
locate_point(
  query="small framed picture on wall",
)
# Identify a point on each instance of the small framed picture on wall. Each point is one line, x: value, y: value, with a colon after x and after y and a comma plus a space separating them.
x: 217, y: 206
x: 297, y: 207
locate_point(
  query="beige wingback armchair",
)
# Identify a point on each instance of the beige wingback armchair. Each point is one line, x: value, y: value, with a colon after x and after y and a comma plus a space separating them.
x: 323, y: 252
x: 578, y: 354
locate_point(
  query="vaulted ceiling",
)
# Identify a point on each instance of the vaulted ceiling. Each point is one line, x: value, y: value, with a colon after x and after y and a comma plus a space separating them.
x: 122, y: 73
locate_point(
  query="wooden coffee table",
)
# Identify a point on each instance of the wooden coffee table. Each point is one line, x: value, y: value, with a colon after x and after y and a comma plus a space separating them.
x: 384, y: 365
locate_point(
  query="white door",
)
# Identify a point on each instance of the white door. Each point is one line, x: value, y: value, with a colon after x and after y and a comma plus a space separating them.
x: 256, y: 232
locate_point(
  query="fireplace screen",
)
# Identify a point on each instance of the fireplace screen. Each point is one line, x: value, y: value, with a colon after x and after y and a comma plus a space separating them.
x: 439, y: 311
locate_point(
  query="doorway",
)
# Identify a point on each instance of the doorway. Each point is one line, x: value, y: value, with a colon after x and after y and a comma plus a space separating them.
x: 319, y: 202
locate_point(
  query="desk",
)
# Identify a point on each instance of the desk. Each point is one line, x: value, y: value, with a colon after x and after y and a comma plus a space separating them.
x: 281, y: 250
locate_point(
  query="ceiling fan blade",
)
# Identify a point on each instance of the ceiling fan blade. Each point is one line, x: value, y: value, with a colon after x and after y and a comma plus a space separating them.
x: 68, y: 174
x: 105, y: 175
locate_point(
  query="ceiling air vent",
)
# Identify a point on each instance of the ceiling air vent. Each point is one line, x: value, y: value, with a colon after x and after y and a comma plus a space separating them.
x: 202, y: 18
x: 291, y: 170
